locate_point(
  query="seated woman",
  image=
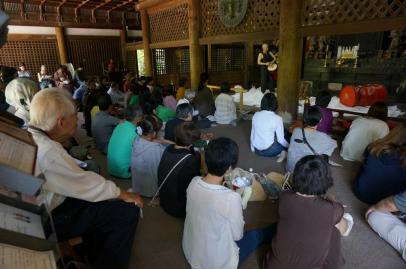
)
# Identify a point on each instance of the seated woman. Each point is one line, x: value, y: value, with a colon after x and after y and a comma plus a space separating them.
x: 133, y: 95
x: 266, y: 126
x: 365, y: 130
x: 323, y: 98
x: 204, y: 100
x: 180, y: 92
x: 225, y: 107
x: 309, y: 227
x: 162, y: 112
x: 383, y: 172
x: 320, y: 142
x: 388, y: 225
x: 44, y: 78
x: 213, y: 233
x: 182, y: 159
x: 19, y: 93
x: 169, y: 97
x: 145, y: 157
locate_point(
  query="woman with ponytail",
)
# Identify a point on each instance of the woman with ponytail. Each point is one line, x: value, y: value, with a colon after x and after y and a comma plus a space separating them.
x: 145, y: 157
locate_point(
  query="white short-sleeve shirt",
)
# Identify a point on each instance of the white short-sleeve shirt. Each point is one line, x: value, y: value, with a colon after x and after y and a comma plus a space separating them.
x: 214, y: 221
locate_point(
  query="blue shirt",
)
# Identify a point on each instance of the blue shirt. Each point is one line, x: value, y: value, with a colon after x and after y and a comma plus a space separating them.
x: 380, y: 177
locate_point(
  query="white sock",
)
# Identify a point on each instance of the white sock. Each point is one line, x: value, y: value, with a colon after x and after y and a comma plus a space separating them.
x: 350, y: 223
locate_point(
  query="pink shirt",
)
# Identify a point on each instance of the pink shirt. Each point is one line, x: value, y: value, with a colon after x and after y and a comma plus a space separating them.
x: 170, y: 102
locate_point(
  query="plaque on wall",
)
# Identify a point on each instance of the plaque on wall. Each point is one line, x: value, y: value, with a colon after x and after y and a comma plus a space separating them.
x: 232, y: 12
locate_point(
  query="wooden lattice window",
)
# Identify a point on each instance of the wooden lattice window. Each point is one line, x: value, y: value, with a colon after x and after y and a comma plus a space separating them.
x: 227, y: 58
x: 317, y: 12
x: 93, y: 52
x: 160, y: 62
x: 172, y: 61
x: 169, y: 24
x: 261, y: 15
x: 131, y: 64
x: 33, y: 53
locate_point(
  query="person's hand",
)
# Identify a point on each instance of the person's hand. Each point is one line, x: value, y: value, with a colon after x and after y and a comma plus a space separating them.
x: 130, y: 197
x: 207, y: 136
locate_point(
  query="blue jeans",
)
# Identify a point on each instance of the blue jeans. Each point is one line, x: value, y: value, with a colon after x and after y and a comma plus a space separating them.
x: 252, y: 239
x: 272, y: 151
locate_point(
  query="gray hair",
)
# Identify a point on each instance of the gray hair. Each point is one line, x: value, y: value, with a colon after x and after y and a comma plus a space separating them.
x: 183, y: 110
x: 48, y: 106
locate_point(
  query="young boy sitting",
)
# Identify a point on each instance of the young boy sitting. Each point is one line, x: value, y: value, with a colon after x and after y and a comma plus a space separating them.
x: 214, y: 219
x: 103, y: 123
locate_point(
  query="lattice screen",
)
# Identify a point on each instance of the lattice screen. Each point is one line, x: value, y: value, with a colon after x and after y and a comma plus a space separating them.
x: 132, y: 61
x: 316, y: 12
x: 33, y: 53
x: 170, y: 64
x: 94, y: 53
x: 169, y: 24
x: 227, y: 58
x: 262, y: 15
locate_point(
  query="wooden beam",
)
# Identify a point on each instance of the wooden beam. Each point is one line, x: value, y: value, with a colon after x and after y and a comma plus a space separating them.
x: 19, y: 21
x: 249, y: 50
x: 60, y: 39
x: 290, y: 56
x: 169, y: 44
x: 377, y: 25
x: 146, y: 41
x: 22, y: 11
x: 123, y: 42
x: 148, y: 3
x: 238, y: 38
x: 209, y: 57
x: 121, y: 4
x: 93, y: 10
x: 134, y: 46
x: 41, y: 10
x: 195, y: 50
x: 77, y: 9
x: 23, y: 37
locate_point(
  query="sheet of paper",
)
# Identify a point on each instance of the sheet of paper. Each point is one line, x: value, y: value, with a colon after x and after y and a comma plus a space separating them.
x: 21, y: 221
x: 16, y: 153
x: 12, y: 257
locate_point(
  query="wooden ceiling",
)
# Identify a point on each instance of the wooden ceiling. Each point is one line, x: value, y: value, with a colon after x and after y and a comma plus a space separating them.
x: 73, y: 13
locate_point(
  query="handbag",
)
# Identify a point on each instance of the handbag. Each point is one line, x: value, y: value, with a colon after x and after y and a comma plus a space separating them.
x: 324, y: 156
x: 167, y: 176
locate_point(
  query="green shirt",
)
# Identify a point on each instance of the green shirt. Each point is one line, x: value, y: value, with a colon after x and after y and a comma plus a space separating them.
x: 134, y: 100
x: 165, y: 113
x: 119, y: 150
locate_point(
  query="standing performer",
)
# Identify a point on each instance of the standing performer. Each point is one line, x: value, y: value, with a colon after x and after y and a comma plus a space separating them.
x: 265, y: 59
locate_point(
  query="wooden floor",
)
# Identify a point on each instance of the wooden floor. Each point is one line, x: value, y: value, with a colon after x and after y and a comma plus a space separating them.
x: 158, y: 238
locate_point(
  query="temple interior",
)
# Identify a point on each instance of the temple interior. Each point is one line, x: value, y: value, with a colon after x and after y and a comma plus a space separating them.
x: 102, y: 101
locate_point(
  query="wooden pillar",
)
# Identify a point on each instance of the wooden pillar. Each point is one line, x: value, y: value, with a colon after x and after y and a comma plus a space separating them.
x: 123, y: 42
x: 290, y: 56
x: 209, y: 57
x: 145, y: 43
x: 249, y: 51
x: 194, y: 46
x: 60, y: 39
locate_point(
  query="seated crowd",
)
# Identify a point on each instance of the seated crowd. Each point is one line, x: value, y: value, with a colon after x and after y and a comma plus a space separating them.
x: 153, y: 136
